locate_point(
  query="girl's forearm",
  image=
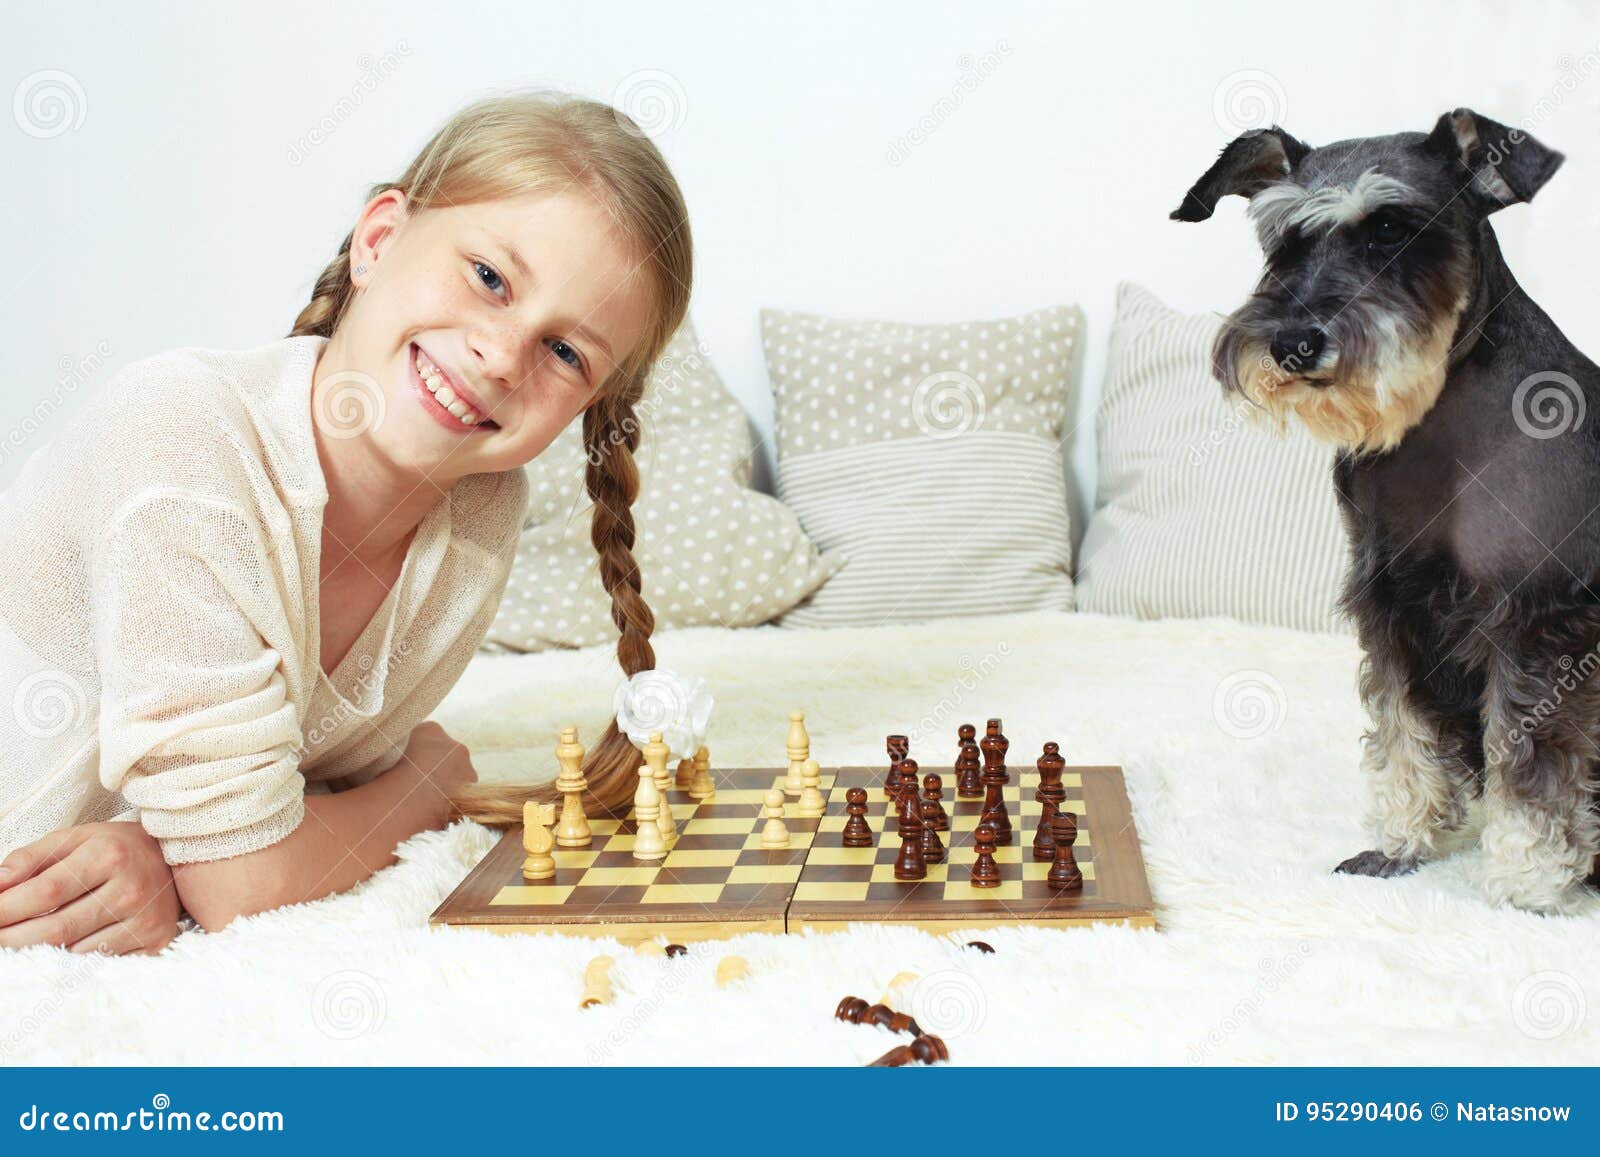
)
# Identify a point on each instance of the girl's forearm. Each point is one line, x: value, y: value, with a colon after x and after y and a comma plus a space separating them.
x: 343, y: 839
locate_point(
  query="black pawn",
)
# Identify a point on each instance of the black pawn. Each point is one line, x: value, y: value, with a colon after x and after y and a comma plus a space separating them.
x: 857, y: 834
x: 909, y: 864
x: 995, y: 778
x: 1050, y: 794
x: 1064, y: 875
x: 985, y: 872
x: 968, y: 786
x: 908, y: 789
x: 898, y: 745
x: 933, y: 792
x: 932, y: 845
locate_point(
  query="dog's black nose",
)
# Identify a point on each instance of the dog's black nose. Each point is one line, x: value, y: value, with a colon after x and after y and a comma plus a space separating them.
x: 1297, y: 350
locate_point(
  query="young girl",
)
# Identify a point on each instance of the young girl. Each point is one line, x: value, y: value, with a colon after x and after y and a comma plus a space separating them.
x: 241, y: 580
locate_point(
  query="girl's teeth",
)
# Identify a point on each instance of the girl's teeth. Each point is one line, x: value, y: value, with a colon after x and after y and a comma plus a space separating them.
x: 444, y: 394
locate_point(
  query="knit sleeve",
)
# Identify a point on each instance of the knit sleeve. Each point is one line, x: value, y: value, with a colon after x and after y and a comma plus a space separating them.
x: 196, y: 728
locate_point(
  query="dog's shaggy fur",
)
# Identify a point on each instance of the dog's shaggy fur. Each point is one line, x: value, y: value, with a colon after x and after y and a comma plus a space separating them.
x: 1468, y: 475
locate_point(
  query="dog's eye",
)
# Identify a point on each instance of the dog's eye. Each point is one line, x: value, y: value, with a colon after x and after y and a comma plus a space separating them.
x: 1385, y: 231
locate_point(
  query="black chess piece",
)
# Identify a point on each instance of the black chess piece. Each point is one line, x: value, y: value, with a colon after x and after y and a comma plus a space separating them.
x: 1064, y: 875
x: 968, y: 786
x: 932, y: 845
x: 908, y: 788
x: 1050, y: 794
x: 857, y: 833
x: 985, y: 872
x: 933, y: 792
x: 909, y: 864
x: 898, y: 745
x: 995, y: 778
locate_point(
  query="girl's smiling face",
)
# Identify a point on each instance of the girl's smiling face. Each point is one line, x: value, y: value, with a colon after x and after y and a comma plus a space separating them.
x: 511, y: 313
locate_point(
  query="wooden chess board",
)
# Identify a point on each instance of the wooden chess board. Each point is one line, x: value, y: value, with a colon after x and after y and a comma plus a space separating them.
x: 716, y: 881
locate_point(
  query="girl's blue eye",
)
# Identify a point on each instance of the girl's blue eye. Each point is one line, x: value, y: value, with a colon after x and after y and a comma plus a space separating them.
x: 574, y: 361
x: 491, y: 282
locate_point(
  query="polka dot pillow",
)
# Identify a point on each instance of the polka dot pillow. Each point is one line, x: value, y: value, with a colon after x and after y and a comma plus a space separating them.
x: 711, y: 551
x: 929, y: 456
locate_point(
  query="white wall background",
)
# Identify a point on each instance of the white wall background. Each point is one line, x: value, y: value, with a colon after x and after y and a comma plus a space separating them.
x: 198, y: 170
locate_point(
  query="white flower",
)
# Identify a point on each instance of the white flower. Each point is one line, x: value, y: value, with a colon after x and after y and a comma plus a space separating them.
x: 662, y: 700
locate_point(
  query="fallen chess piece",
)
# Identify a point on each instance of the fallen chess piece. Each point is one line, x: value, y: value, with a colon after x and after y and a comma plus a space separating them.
x: 597, y: 982
x: 732, y: 969
x: 854, y: 1010
x: 897, y: 986
x: 925, y: 1050
x: 650, y: 948
x: 982, y: 946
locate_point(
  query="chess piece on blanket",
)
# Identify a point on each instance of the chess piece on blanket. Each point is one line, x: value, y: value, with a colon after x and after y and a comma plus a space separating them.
x: 857, y: 833
x: 774, y: 836
x: 932, y: 845
x: 925, y: 1050
x: 732, y: 969
x: 656, y: 754
x: 995, y: 778
x: 985, y: 871
x: 1064, y: 875
x: 700, y: 785
x: 854, y: 1010
x: 968, y: 786
x: 573, y: 830
x: 898, y: 746
x: 933, y: 792
x: 799, y: 752
x: 537, y: 840
x: 648, y: 843
x: 909, y: 864
x: 597, y: 982
x: 811, y: 805
x: 1050, y: 794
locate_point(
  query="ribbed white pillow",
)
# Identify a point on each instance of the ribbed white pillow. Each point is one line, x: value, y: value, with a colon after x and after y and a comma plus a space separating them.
x: 930, y: 457
x: 1200, y: 510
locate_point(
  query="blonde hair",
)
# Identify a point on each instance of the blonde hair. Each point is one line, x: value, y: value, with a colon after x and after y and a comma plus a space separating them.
x: 527, y: 142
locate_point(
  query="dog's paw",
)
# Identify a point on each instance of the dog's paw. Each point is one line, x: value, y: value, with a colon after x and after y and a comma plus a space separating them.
x: 1376, y: 864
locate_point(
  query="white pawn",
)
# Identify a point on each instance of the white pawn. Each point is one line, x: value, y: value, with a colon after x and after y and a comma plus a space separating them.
x: 811, y: 805
x: 648, y: 843
x: 774, y: 835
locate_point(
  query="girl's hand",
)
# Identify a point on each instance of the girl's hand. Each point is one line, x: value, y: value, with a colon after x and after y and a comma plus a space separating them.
x: 94, y: 887
x: 442, y: 762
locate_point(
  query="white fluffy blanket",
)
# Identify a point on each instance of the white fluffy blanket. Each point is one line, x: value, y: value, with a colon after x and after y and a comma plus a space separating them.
x: 1240, y: 747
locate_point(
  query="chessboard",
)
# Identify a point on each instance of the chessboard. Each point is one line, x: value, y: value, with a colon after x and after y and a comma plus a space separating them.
x: 717, y: 881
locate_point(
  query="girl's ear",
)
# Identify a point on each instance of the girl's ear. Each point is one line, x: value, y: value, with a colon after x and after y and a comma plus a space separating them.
x: 382, y: 215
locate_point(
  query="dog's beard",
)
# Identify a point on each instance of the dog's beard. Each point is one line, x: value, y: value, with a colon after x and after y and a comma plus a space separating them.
x: 1382, y: 380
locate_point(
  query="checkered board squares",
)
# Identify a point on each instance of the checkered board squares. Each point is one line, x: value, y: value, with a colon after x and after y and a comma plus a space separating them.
x: 717, y: 881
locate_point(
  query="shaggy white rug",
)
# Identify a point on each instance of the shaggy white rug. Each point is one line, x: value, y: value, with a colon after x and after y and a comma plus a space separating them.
x: 1240, y: 747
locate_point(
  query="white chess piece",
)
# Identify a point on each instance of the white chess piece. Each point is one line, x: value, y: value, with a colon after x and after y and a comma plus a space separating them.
x: 774, y: 835
x: 656, y: 754
x: 648, y: 842
x: 799, y: 752
x: 573, y: 831
x: 811, y: 804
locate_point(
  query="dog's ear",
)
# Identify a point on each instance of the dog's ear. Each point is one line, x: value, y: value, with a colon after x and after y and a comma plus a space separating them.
x: 1249, y: 164
x: 1507, y: 165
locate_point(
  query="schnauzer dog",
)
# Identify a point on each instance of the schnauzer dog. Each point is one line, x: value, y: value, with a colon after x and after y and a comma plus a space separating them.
x: 1467, y: 469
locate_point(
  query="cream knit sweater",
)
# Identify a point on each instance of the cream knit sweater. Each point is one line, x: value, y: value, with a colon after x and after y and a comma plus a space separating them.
x: 159, y: 625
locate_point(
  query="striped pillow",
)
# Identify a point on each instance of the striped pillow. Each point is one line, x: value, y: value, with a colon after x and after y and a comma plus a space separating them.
x: 930, y: 457
x: 1200, y: 510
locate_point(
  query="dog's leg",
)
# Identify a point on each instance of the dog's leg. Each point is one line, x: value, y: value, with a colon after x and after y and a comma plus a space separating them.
x: 1541, y: 830
x: 1420, y: 760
